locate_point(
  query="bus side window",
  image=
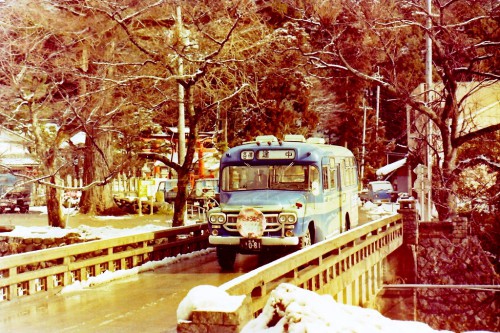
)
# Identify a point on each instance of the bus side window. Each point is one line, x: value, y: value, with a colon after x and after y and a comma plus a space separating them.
x: 314, y: 180
x: 343, y: 182
x: 333, y: 174
x: 326, y: 183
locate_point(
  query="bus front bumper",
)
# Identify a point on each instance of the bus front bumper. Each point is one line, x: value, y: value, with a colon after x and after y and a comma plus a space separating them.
x: 266, y: 241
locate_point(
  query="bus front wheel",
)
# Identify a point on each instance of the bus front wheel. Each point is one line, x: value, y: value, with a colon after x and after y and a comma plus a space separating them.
x: 347, y: 223
x: 226, y: 257
x: 305, y: 240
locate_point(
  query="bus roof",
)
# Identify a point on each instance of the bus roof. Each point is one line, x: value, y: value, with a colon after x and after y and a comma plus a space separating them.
x: 306, y: 151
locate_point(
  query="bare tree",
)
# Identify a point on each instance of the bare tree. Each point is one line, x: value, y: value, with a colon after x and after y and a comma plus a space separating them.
x: 206, y: 46
x: 362, y: 37
x: 43, y: 93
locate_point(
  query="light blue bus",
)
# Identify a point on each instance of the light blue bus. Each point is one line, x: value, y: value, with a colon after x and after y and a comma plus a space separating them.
x: 282, y: 193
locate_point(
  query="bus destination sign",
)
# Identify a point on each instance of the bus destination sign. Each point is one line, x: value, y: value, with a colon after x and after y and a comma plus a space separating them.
x: 247, y: 155
x: 281, y: 154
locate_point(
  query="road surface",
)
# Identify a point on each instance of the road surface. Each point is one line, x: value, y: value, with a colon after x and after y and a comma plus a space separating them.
x: 143, y: 303
x: 146, y: 302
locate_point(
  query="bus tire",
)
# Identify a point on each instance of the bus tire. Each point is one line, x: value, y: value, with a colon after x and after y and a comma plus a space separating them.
x: 226, y: 257
x: 306, y: 240
x: 347, y: 225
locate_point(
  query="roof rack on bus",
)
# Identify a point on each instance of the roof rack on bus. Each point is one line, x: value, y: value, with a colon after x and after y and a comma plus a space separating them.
x: 266, y: 139
x: 294, y: 138
x: 317, y: 141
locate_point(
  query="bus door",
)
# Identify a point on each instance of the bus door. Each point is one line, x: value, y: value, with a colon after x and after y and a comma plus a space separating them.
x: 340, y: 193
x: 314, y: 187
x: 330, y: 193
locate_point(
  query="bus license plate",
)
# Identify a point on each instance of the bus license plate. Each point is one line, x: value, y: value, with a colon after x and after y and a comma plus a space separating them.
x: 252, y: 244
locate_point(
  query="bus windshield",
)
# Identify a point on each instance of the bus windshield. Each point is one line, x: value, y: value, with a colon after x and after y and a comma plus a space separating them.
x: 277, y: 177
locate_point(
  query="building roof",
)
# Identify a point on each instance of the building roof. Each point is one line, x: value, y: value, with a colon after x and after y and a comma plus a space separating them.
x: 13, y: 151
x: 387, y: 169
x: 480, y: 103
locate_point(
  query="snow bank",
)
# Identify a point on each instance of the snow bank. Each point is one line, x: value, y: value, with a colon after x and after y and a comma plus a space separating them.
x: 86, y: 232
x: 375, y: 210
x: 109, y: 276
x: 204, y: 298
x: 295, y: 310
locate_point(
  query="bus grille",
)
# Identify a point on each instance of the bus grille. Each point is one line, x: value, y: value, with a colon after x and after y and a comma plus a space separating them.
x: 272, y: 223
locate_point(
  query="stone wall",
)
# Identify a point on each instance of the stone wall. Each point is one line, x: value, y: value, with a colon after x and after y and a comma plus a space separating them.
x: 15, y: 245
x: 448, y: 255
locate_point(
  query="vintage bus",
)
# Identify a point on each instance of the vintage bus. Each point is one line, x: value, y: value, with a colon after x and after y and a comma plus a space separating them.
x: 282, y: 193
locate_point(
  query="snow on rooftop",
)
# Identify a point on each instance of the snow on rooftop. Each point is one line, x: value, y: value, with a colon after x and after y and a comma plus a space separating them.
x: 387, y: 169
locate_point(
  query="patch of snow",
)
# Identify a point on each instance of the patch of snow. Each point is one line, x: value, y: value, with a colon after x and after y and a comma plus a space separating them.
x: 109, y: 276
x: 383, y: 209
x: 84, y: 231
x: 295, y: 310
x: 204, y: 297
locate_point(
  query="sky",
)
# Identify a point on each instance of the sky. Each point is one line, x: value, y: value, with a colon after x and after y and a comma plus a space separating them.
x: 299, y: 310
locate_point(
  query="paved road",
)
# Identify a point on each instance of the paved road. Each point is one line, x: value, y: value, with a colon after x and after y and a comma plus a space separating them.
x: 146, y: 302
x: 143, y: 303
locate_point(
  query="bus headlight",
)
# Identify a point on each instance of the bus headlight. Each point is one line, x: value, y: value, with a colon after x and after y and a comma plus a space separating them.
x: 217, y: 218
x: 288, y: 218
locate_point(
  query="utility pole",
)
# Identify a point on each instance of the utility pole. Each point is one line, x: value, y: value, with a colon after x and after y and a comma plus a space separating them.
x: 377, y: 112
x: 181, y: 125
x: 428, y: 81
x: 363, y: 151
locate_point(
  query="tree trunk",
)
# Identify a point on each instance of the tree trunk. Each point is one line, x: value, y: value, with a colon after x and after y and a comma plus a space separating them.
x: 180, y: 204
x: 98, y: 199
x: 54, y: 212
x: 445, y: 196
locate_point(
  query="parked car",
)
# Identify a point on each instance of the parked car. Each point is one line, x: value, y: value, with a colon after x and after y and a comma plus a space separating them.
x: 19, y: 199
x: 206, y: 191
x: 380, y: 191
x: 363, y: 195
x: 168, y: 188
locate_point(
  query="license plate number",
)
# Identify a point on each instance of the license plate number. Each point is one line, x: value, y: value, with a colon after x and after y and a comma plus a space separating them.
x: 252, y: 244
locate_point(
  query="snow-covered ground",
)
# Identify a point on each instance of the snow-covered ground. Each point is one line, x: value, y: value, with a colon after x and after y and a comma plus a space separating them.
x: 371, y: 210
x: 85, y: 231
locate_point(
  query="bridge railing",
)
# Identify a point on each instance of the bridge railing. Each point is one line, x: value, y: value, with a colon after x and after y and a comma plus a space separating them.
x: 51, y: 269
x: 349, y: 267
x: 329, y: 266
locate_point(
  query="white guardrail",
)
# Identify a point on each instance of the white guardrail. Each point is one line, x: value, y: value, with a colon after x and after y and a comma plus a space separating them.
x: 21, y: 274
